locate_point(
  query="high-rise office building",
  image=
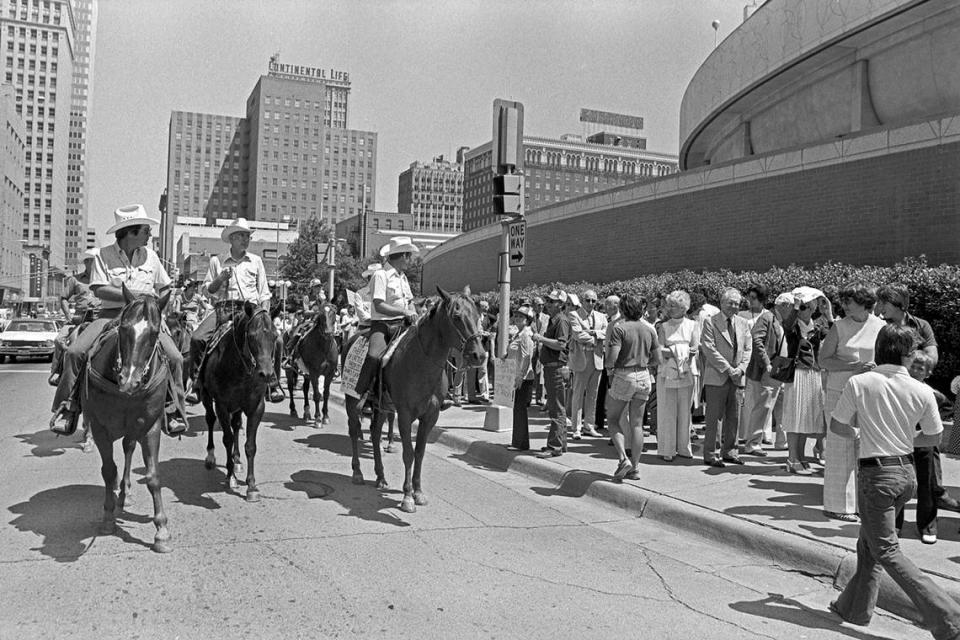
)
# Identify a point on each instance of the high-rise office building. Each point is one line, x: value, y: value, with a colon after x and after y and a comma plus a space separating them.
x: 38, y: 46
x: 85, y: 19
x: 432, y: 192
x: 558, y: 170
x: 14, y: 263
x: 291, y: 158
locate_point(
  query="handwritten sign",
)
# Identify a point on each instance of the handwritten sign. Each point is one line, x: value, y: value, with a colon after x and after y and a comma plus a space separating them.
x: 505, y: 373
x: 352, y: 366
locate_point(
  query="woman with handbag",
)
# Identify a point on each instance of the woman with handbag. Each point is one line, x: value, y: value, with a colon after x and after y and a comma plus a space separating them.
x: 679, y: 339
x: 803, y: 394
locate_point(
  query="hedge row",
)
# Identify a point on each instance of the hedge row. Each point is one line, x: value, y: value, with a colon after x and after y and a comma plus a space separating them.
x: 934, y: 293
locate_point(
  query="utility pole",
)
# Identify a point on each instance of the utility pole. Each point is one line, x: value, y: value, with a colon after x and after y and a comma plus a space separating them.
x: 331, y: 259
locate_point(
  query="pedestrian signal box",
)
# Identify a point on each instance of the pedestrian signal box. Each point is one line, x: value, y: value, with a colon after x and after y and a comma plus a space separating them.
x: 508, y: 195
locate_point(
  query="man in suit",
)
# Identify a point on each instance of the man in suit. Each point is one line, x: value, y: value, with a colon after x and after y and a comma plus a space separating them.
x: 726, y: 345
x: 760, y: 395
x: 587, y: 332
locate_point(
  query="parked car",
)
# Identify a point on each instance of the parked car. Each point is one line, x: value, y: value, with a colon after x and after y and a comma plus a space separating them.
x: 28, y: 338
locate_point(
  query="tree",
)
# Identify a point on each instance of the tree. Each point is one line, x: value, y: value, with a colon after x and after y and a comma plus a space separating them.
x: 300, y: 265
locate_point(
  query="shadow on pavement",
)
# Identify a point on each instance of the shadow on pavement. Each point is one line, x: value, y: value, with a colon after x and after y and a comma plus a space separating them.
x: 574, y: 484
x: 800, y: 501
x: 486, y: 456
x: 45, y: 443
x: 282, y: 421
x: 66, y: 518
x: 360, y: 501
x: 338, y: 443
x: 777, y: 607
x: 189, y: 480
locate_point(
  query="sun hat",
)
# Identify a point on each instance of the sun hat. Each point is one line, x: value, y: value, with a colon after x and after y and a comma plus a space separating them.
x: 785, y: 298
x: 371, y: 269
x: 132, y: 215
x: 240, y: 224
x: 803, y: 295
x: 398, y: 244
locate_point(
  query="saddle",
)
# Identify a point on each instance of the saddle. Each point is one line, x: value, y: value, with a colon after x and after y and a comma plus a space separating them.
x: 217, y: 337
x: 354, y: 362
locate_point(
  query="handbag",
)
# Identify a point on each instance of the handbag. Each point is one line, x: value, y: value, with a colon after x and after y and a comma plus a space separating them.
x: 782, y: 368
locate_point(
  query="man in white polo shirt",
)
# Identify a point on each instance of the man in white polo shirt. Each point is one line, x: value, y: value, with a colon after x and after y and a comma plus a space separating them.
x: 233, y: 278
x: 129, y: 261
x: 886, y: 404
x: 390, y: 302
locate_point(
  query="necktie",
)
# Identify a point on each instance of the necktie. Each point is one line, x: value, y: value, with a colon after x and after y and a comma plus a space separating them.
x: 733, y: 335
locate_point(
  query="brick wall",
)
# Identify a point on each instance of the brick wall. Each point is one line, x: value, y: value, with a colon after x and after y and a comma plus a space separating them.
x: 872, y: 211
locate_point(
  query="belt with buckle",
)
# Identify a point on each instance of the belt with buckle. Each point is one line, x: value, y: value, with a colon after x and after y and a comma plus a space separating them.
x: 887, y: 461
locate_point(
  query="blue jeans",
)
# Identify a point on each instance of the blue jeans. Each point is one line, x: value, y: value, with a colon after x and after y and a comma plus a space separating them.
x: 883, y: 491
x: 554, y: 387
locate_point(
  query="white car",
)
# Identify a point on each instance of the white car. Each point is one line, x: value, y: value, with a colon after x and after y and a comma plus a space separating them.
x: 28, y: 338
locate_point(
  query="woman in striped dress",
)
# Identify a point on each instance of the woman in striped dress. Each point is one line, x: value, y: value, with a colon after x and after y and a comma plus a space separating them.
x: 847, y: 350
x: 803, y: 397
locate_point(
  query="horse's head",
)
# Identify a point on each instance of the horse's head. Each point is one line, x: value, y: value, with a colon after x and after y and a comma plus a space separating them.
x: 259, y: 340
x: 461, y: 328
x: 326, y: 319
x: 137, y: 337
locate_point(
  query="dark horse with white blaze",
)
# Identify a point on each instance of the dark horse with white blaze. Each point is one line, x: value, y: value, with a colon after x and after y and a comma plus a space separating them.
x: 235, y: 376
x: 123, y: 398
x: 413, y: 381
x: 320, y: 355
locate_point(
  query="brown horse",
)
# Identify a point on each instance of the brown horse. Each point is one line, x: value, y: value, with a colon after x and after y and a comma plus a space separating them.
x: 414, y: 381
x: 320, y: 355
x: 123, y: 398
x: 181, y: 332
x: 235, y: 377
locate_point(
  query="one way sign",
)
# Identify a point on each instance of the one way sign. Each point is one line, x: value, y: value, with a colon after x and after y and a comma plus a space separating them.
x: 518, y: 243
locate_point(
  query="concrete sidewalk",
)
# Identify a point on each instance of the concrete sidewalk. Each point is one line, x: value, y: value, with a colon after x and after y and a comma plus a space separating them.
x: 757, y: 507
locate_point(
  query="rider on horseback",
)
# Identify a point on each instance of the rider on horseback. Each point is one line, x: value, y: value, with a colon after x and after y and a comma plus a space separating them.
x: 190, y: 304
x: 311, y: 313
x: 128, y: 262
x: 76, y: 290
x: 233, y: 278
x: 391, y: 304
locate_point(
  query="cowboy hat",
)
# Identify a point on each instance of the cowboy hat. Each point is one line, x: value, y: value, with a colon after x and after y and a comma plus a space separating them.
x: 132, y: 215
x: 371, y: 269
x: 240, y: 224
x: 557, y: 296
x: 398, y: 244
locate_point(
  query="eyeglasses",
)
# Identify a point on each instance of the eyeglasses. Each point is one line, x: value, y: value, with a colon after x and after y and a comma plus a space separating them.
x: 589, y: 299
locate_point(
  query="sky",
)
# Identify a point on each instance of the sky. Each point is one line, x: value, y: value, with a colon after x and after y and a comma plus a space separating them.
x: 424, y: 74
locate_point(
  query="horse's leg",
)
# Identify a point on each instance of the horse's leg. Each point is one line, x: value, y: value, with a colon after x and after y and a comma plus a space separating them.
x: 150, y: 448
x: 250, y: 447
x: 291, y: 387
x: 307, y: 376
x: 376, y: 429
x: 404, y: 421
x: 211, y: 417
x: 327, y: 380
x: 226, y: 425
x: 315, y: 385
x: 424, y: 426
x: 391, y: 422
x: 235, y: 454
x: 353, y: 425
x: 108, y: 470
x: 129, y: 446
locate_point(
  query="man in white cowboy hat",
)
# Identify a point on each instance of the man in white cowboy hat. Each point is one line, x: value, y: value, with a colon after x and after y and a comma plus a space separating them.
x: 130, y: 262
x: 233, y: 278
x: 391, y: 301
x: 76, y: 292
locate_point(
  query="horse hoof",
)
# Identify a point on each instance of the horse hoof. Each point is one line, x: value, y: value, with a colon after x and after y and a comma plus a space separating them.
x: 326, y: 420
x: 317, y: 424
x: 253, y: 496
x: 107, y: 528
x: 382, y: 484
x: 358, y: 478
x: 293, y: 413
x: 210, y: 462
x: 161, y: 546
x: 232, y: 483
x: 407, y: 506
x: 419, y: 499
x: 307, y: 417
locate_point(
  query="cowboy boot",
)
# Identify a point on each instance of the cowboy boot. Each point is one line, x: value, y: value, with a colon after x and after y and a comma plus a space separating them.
x: 64, y: 421
x: 275, y: 393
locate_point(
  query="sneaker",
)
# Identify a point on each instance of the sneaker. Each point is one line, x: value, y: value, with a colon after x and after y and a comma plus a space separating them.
x: 175, y: 426
x: 622, y: 470
x: 929, y: 538
x: 590, y: 431
x: 948, y: 503
x: 633, y: 475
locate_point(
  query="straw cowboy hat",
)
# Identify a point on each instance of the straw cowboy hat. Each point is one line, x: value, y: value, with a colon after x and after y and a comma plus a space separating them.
x: 371, y: 269
x: 398, y: 244
x: 132, y: 215
x: 240, y: 224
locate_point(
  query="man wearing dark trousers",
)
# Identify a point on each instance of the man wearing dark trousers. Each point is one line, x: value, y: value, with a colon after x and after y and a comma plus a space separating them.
x: 553, y: 358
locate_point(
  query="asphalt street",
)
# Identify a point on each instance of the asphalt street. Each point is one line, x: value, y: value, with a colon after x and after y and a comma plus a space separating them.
x: 493, y: 555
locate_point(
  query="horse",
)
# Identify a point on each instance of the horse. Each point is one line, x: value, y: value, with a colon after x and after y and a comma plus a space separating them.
x: 181, y: 332
x: 123, y: 398
x: 320, y: 355
x: 413, y: 379
x: 235, y: 376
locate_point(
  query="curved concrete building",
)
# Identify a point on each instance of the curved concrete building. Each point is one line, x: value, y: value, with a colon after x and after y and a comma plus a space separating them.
x: 818, y: 130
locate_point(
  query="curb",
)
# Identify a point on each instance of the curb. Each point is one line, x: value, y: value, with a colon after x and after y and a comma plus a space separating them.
x: 781, y: 548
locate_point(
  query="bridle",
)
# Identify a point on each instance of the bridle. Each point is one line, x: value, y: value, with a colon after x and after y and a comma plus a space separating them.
x: 148, y: 367
x: 247, y: 358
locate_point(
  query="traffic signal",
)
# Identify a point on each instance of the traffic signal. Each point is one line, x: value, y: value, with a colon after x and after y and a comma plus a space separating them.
x: 508, y: 195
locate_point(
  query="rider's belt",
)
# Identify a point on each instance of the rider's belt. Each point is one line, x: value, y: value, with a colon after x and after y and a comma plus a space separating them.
x: 389, y: 321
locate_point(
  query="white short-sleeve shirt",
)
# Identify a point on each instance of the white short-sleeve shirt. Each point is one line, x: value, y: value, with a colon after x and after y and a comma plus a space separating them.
x: 248, y: 282
x: 391, y: 287
x: 144, y: 273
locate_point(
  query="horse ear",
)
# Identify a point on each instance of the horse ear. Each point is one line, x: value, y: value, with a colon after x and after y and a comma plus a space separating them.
x: 164, y: 299
x: 466, y: 291
x: 128, y: 296
x: 443, y: 294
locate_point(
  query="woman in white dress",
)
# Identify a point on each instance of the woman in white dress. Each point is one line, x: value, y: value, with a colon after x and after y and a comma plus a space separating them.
x: 847, y: 350
x: 679, y: 338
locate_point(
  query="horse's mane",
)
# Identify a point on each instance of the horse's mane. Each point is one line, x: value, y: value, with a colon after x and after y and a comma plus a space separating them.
x: 407, y: 338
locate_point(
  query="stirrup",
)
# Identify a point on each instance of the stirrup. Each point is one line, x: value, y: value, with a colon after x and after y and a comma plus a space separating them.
x: 70, y: 419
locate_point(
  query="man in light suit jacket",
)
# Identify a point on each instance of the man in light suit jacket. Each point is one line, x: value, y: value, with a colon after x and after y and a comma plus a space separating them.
x: 726, y: 345
x: 587, y: 332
